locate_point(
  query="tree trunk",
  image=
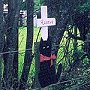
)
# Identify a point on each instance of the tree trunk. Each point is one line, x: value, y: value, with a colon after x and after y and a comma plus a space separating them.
x: 36, y: 83
x: 29, y: 42
x: 1, y: 40
x: 11, y: 62
x: 15, y: 61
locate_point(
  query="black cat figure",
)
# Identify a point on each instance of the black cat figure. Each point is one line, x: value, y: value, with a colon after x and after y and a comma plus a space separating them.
x: 47, y: 74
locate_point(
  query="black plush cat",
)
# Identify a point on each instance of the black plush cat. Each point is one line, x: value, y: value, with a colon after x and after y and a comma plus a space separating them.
x: 47, y: 74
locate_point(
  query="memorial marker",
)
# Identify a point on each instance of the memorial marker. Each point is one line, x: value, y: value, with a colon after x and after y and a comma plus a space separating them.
x: 44, y: 22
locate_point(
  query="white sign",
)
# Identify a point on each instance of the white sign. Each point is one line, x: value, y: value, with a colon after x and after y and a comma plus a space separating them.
x: 44, y: 22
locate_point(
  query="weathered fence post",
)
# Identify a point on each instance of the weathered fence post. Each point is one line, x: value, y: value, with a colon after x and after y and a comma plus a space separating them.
x: 37, y: 63
x: 75, y: 44
x: 1, y: 40
x: 0, y: 72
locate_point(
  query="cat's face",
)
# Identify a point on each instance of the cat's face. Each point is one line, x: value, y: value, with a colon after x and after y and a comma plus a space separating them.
x: 45, y: 47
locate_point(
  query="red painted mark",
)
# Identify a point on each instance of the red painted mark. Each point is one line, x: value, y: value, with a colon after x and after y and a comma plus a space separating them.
x: 46, y: 22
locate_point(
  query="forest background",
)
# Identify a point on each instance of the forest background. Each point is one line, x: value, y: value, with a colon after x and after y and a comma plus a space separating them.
x: 70, y: 41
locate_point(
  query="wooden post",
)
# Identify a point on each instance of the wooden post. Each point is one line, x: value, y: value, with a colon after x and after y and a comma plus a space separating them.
x: 75, y: 44
x: 37, y: 64
x: 1, y: 40
x: 0, y: 72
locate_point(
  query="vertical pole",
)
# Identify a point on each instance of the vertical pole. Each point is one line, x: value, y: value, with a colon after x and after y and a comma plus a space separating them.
x: 75, y: 44
x: 1, y: 40
x: 37, y: 64
x: 0, y: 72
x: 44, y: 30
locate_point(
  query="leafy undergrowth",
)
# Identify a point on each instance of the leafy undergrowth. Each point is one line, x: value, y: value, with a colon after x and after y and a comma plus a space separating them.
x: 76, y: 78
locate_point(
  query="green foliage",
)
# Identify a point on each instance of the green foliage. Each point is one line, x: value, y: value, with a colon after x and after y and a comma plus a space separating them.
x: 88, y: 36
x: 85, y: 6
x: 36, y: 5
x: 66, y: 53
x: 65, y: 56
x: 23, y: 6
x: 22, y: 46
